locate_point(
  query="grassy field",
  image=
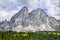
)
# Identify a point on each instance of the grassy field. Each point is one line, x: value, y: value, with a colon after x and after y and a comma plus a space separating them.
x: 29, y: 35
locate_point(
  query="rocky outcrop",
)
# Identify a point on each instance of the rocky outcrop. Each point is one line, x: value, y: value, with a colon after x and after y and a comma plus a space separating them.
x: 20, y: 18
x: 4, y: 26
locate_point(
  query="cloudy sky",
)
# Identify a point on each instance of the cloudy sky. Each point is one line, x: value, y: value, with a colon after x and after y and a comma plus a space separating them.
x: 9, y: 7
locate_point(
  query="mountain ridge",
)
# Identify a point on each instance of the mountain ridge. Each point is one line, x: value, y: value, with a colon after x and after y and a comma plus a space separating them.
x: 35, y: 20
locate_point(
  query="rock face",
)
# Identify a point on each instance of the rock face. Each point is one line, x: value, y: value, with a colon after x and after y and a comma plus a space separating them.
x: 53, y: 21
x: 21, y: 18
x: 59, y: 22
x: 38, y: 17
x: 4, y: 26
x: 37, y: 20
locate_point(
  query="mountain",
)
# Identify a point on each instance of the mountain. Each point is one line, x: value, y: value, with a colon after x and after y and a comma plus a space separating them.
x: 59, y: 21
x: 4, y: 26
x: 36, y: 20
x: 20, y: 18
x: 38, y: 17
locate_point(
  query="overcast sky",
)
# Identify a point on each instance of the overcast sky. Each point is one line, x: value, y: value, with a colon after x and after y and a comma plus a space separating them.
x: 9, y: 7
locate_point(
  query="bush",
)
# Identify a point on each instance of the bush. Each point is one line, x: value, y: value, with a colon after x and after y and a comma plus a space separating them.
x: 29, y: 35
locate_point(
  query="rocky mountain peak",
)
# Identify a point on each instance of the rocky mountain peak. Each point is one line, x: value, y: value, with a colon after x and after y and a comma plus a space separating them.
x: 36, y: 20
x: 21, y: 13
x: 24, y: 9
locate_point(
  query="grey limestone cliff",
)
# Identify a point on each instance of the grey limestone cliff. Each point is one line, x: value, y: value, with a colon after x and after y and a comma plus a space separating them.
x: 36, y: 20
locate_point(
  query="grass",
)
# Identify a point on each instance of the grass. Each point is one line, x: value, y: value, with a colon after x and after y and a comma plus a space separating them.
x: 10, y: 35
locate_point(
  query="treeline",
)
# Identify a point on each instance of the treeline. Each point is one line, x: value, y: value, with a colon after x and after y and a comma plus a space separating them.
x: 29, y: 35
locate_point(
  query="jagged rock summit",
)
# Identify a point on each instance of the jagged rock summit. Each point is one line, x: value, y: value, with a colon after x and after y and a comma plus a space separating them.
x: 36, y: 20
x: 19, y: 18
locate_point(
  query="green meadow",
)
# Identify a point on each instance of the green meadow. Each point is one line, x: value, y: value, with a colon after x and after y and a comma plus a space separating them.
x: 10, y: 35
